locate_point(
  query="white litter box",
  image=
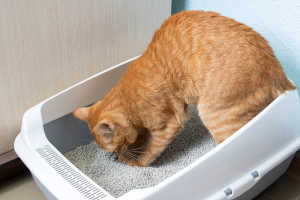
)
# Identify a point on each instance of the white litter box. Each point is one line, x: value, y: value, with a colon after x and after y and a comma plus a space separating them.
x: 239, y: 168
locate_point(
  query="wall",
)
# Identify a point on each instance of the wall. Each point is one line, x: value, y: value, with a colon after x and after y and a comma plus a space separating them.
x: 277, y: 20
x: 46, y: 46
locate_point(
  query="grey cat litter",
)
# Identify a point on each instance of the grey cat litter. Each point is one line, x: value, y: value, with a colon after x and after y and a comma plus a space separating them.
x: 117, y: 178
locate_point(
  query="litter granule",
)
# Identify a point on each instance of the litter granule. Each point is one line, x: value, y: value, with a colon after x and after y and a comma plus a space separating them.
x: 116, y: 178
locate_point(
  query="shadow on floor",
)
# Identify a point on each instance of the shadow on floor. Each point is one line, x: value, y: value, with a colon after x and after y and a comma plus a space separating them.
x: 287, y: 187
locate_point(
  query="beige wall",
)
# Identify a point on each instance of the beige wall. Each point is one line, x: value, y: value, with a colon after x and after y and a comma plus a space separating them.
x: 48, y: 45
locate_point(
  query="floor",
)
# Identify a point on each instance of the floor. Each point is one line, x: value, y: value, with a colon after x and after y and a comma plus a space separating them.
x: 286, y: 188
x: 21, y: 187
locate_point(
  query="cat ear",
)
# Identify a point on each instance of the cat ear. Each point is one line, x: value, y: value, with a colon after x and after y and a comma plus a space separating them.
x: 82, y: 113
x: 104, y: 127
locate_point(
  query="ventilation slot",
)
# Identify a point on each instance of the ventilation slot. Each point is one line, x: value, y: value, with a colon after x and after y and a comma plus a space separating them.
x: 87, y: 189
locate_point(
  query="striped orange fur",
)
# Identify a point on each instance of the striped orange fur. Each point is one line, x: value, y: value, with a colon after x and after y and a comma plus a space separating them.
x: 195, y: 57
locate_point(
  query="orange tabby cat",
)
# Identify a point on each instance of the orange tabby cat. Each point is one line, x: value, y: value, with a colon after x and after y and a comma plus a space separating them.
x: 196, y: 57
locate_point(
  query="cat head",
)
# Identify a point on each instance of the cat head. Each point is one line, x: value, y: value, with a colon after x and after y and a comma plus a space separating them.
x: 111, y: 129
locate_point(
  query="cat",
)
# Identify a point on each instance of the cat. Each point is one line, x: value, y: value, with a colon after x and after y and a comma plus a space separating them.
x: 196, y: 57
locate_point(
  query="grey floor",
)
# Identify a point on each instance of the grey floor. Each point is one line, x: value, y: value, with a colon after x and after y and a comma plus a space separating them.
x: 21, y: 187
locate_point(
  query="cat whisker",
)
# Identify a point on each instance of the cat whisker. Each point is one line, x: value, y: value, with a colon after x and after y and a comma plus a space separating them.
x: 139, y: 152
x: 137, y: 148
x: 131, y: 155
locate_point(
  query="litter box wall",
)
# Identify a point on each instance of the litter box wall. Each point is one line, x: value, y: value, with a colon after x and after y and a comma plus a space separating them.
x: 277, y: 20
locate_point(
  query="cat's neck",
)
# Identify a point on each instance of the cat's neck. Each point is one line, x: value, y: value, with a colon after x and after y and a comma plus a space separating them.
x: 141, y: 87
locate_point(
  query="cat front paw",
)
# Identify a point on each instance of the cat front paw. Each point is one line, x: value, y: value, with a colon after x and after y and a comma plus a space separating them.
x: 134, y: 163
x: 122, y: 159
x: 130, y: 162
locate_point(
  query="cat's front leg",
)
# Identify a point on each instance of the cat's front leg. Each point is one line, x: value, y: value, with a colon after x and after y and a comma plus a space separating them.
x: 129, y: 161
x: 158, y: 142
